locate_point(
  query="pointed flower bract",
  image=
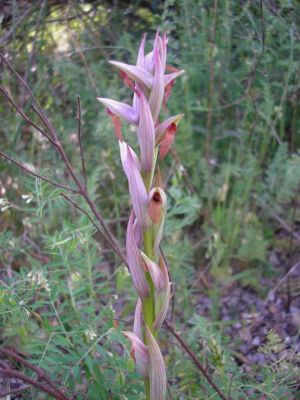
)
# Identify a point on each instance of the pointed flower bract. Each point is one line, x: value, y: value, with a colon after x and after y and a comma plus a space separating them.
x: 135, y: 261
x: 146, y: 134
x: 155, y: 272
x: 139, y: 351
x: 122, y: 110
x: 138, y: 192
x: 158, y: 89
x: 138, y: 74
x: 157, y: 374
x: 142, y: 367
x: 163, y: 298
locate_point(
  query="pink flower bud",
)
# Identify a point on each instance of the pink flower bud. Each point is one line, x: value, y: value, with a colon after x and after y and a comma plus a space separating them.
x: 161, y: 46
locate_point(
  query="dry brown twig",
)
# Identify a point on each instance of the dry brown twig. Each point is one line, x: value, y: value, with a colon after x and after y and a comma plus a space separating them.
x: 195, y: 359
x: 52, y: 137
x: 43, y: 382
x: 282, y: 280
x: 189, y: 351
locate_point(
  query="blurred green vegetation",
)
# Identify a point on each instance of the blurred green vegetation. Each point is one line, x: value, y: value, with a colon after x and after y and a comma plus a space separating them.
x: 232, y: 177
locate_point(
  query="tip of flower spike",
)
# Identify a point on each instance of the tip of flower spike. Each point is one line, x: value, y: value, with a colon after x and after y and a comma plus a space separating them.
x: 141, y: 54
x: 165, y: 38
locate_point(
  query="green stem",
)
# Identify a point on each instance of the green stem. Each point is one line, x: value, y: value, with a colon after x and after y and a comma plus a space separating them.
x: 147, y: 389
x: 148, y: 302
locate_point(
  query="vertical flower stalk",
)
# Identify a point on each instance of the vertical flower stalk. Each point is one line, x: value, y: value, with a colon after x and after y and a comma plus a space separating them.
x: 151, y: 88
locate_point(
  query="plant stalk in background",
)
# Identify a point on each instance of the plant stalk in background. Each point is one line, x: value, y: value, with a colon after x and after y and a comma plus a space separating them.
x: 151, y: 88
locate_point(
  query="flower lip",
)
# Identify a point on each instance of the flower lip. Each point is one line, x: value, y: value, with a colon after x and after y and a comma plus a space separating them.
x: 157, y: 197
x: 157, y: 204
x: 162, y: 128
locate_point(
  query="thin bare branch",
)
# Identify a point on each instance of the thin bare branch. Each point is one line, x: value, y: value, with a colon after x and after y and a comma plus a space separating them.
x: 47, y: 387
x: 78, y: 117
x: 195, y: 359
x: 73, y: 37
x: 23, y: 83
x: 183, y: 170
x: 75, y: 205
x: 30, y: 172
x: 78, y: 207
x: 59, y: 148
x: 42, y: 386
x: 282, y: 280
x: 42, y: 119
x: 70, y: 18
x: 10, y: 31
x: 40, y: 373
x: 23, y: 115
x: 210, y: 102
x: 280, y: 220
x: 110, y: 236
x: 14, y: 391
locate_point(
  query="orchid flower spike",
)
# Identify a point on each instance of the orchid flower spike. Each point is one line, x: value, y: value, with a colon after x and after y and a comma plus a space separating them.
x: 151, y: 87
